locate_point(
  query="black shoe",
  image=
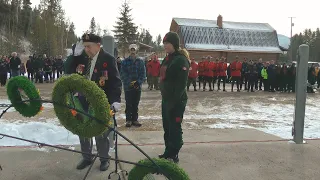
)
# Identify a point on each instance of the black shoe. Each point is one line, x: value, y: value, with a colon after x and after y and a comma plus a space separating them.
x: 83, y: 164
x: 163, y: 156
x: 175, y: 158
x: 104, y: 165
x: 128, y: 124
x: 195, y: 89
x: 136, y: 123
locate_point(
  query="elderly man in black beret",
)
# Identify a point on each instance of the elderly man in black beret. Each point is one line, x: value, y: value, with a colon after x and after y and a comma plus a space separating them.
x: 100, y: 67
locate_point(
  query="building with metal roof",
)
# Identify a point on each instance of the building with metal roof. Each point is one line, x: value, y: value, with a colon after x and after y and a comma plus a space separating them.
x: 229, y: 39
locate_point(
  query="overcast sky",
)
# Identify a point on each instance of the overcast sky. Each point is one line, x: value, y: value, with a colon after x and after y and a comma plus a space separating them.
x: 157, y: 15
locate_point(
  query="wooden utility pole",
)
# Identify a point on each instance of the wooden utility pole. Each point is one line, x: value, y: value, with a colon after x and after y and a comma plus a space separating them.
x: 291, y: 25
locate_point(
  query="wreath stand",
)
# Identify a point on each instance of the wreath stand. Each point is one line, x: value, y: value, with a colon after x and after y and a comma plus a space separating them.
x: 116, y: 162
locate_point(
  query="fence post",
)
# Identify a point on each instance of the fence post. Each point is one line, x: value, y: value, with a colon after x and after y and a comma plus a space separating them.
x: 301, y: 93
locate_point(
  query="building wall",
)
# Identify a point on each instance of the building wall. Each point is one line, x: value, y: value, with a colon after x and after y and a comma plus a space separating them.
x: 231, y: 55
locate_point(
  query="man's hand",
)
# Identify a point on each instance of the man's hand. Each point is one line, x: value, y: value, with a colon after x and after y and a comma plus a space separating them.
x: 135, y: 84
x: 115, y: 106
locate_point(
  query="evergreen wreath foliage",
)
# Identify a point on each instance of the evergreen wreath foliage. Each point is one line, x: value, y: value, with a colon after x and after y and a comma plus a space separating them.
x: 14, y: 88
x: 171, y: 169
x: 63, y: 95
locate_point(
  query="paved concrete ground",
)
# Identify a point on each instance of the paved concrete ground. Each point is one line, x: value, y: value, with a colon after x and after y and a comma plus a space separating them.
x: 203, y: 161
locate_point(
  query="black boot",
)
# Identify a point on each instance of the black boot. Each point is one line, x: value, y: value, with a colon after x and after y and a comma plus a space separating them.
x: 83, y: 164
x: 104, y: 165
x: 163, y: 156
x: 174, y: 158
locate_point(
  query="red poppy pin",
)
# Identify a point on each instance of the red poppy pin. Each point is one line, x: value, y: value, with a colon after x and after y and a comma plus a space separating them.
x: 105, y: 65
x: 178, y: 119
x: 95, y: 70
x: 167, y: 58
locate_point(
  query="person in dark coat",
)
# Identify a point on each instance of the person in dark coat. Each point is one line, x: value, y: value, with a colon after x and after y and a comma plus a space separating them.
x: 252, y: 75
x: 3, y: 71
x: 284, y: 78
x: 58, y: 66
x: 244, y: 73
x: 174, y: 72
x: 259, y: 81
x: 100, y: 67
x: 292, y: 78
x: 15, y: 63
x: 272, y: 76
x: 30, y: 69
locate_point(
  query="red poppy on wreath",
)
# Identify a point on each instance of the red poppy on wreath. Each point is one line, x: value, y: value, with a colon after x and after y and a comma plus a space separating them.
x: 105, y: 65
x: 95, y: 70
x: 167, y: 58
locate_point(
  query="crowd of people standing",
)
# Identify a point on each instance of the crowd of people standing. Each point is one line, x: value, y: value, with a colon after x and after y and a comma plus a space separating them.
x: 38, y: 69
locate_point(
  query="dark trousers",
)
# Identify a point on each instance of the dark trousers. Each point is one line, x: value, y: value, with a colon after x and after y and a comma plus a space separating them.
x: 223, y: 78
x: 47, y: 76
x: 132, y: 98
x: 154, y: 81
x: 102, y: 141
x: 292, y: 84
x: 272, y: 83
x: 59, y: 73
x: 207, y: 79
x: 251, y: 83
x: 172, y: 116
x: 3, y: 79
x: 266, y: 85
x: 235, y: 79
x: 193, y: 82
x: 38, y: 76
x: 30, y: 75
x: 200, y: 78
x: 244, y: 79
x: 259, y: 82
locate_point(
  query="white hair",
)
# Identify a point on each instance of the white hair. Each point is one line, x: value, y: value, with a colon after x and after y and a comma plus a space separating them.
x: 14, y: 53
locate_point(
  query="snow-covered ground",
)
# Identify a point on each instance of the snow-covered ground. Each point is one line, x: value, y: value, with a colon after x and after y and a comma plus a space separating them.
x: 271, y: 117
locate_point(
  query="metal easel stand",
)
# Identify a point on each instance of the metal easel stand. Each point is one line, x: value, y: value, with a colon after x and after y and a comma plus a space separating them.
x: 116, y: 171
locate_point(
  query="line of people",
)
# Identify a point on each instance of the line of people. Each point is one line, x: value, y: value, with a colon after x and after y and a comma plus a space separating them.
x: 247, y: 75
x: 38, y: 68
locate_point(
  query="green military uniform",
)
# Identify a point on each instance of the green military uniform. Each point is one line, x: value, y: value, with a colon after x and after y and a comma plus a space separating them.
x: 173, y: 81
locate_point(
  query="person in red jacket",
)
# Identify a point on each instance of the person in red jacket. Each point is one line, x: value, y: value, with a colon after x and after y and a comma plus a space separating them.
x: 236, y: 68
x: 215, y: 73
x: 148, y: 69
x: 201, y: 71
x: 193, y: 74
x: 208, y: 73
x: 154, y: 73
x: 222, y: 69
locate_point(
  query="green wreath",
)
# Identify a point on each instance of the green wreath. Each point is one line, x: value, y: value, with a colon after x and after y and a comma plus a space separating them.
x: 63, y: 95
x: 172, y: 169
x: 14, y: 88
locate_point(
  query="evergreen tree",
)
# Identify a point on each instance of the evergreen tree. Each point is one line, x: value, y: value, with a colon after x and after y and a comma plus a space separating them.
x: 93, y: 26
x: 125, y: 30
x: 159, y: 40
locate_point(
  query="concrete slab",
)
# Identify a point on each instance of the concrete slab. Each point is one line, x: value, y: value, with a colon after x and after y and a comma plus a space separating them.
x: 205, y: 161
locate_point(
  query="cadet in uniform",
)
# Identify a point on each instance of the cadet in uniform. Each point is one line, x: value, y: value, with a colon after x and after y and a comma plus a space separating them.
x: 100, y: 67
x: 173, y: 80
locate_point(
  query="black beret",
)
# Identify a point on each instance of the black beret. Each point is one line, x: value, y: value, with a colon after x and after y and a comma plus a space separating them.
x: 91, y: 38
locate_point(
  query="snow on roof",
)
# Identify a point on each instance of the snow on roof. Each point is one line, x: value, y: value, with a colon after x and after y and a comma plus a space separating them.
x: 234, y: 36
x: 225, y: 24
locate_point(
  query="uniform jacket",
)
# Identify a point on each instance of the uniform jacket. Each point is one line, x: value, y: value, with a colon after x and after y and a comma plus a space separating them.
x: 236, y: 68
x: 222, y: 69
x: 154, y: 68
x: 105, y: 65
x: 211, y: 69
x: 193, y: 70
x: 206, y: 68
x: 173, y: 78
x: 132, y: 70
x: 201, y: 68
